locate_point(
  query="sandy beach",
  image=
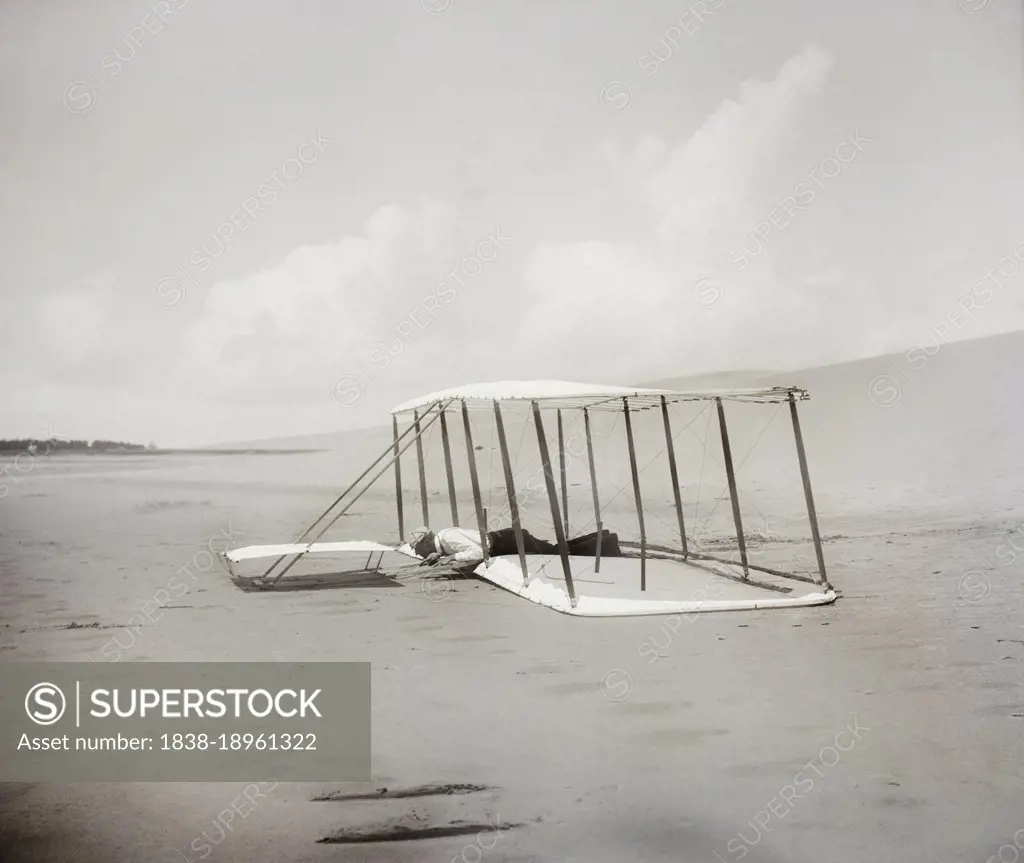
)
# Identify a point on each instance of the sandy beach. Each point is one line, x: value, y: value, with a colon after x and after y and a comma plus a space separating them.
x: 889, y: 725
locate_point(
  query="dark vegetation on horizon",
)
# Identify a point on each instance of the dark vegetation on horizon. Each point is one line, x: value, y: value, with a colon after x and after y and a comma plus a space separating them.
x: 47, y: 446
x: 36, y: 447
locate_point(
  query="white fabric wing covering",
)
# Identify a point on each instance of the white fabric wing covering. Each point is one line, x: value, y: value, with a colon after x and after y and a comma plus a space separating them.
x: 568, y: 394
x: 254, y: 552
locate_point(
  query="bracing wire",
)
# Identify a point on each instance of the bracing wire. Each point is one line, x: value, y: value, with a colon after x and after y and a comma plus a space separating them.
x: 519, y: 448
x: 647, y: 464
x: 703, y: 459
x: 750, y: 452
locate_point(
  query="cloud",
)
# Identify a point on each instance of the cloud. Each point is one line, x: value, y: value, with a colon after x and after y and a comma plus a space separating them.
x: 707, y: 186
x: 586, y: 302
x: 287, y: 330
x: 594, y: 308
x: 627, y: 309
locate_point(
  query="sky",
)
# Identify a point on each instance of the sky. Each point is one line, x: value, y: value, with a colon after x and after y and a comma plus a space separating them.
x: 229, y: 220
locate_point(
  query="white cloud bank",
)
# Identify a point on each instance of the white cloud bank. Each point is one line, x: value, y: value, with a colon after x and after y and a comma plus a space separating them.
x: 592, y: 310
x: 633, y: 309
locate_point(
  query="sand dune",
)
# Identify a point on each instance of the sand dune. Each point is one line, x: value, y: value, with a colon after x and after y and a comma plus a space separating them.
x: 929, y: 434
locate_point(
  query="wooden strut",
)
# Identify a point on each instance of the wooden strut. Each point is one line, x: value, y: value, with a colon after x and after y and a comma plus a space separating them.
x: 424, y: 502
x: 674, y: 474
x: 481, y: 518
x: 805, y: 476
x: 636, y: 494
x: 380, y: 559
x: 352, y: 502
x: 561, y: 473
x: 446, y: 444
x: 556, y: 518
x: 513, y: 504
x: 698, y: 560
x: 398, y: 481
x: 780, y: 573
x: 341, y: 496
x: 733, y: 494
x: 652, y: 549
x: 593, y: 487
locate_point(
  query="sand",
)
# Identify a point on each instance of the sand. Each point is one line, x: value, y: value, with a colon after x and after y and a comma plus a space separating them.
x: 889, y: 725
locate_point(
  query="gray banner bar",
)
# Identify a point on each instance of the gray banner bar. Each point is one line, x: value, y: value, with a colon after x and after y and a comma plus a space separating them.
x: 185, y: 722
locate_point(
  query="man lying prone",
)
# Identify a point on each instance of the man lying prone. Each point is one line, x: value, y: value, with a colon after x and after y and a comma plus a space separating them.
x: 462, y: 548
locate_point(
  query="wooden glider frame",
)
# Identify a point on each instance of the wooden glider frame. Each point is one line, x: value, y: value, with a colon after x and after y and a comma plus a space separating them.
x: 629, y: 402
x: 542, y: 396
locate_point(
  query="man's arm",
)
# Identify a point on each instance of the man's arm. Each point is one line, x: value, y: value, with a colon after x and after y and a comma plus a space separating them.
x: 469, y: 556
x: 461, y: 547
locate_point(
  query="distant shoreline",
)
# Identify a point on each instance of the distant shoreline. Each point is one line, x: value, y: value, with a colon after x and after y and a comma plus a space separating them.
x: 14, y: 451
